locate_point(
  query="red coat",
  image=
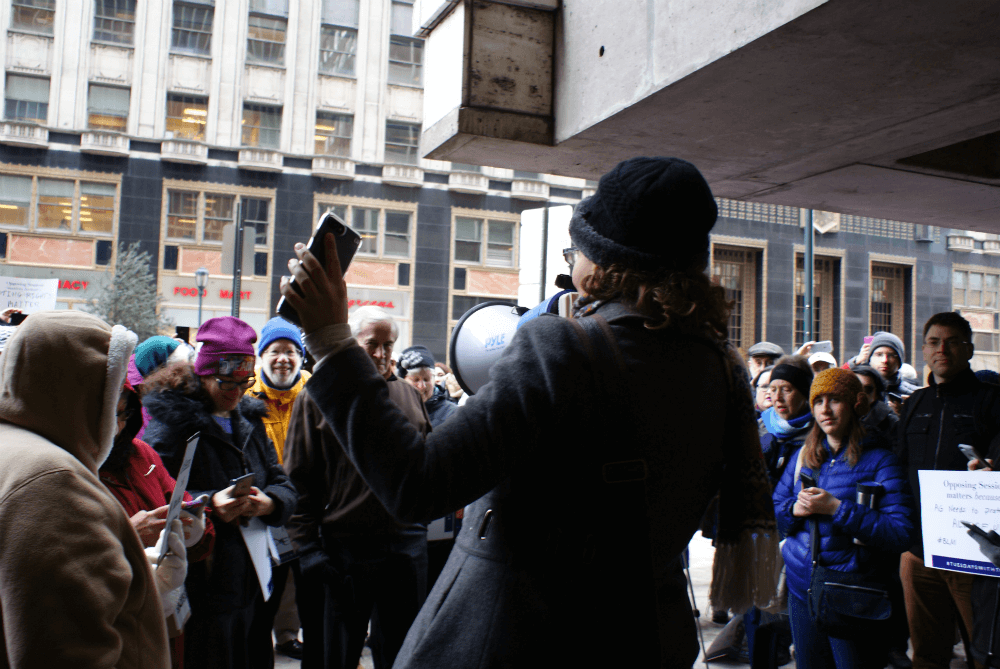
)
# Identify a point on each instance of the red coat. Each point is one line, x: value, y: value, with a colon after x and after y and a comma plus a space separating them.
x: 146, y: 487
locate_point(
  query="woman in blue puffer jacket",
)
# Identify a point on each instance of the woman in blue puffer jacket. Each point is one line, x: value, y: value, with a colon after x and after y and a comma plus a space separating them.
x: 835, y: 455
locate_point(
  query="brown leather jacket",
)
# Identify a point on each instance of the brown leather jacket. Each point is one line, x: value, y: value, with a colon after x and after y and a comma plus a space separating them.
x: 332, y: 495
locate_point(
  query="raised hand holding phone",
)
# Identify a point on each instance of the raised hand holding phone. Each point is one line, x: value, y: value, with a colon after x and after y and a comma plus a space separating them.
x: 322, y: 299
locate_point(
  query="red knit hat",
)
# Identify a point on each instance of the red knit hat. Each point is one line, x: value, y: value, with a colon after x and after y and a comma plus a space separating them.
x: 227, y: 347
x: 843, y: 385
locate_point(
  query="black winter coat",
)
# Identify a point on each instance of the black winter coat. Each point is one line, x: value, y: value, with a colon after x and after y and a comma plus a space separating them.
x: 227, y: 580
x: 940, y: 417
x: 439, y: 406
x: 523, y: 436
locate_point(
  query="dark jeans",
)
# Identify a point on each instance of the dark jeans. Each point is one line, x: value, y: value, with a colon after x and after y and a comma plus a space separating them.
x: 226, y: 640
x: 382, y: 579
x: 815, y: 650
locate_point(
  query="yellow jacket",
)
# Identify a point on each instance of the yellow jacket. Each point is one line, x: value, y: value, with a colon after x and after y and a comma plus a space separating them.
x: 279, y: 405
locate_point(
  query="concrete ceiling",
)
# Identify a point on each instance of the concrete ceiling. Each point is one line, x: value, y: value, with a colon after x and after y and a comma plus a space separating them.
x: 887, y: 109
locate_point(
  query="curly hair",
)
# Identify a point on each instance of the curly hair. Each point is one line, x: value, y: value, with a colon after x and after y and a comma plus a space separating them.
x: 677, y: 298
x: 178, y: 377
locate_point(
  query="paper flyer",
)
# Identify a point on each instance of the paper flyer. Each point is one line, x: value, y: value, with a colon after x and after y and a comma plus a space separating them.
x: 946, y: 499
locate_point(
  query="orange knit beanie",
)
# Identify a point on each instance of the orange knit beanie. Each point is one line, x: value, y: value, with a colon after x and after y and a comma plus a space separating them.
x: 843, y: 385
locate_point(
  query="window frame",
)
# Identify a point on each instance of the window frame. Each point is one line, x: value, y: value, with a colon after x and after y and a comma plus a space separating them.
x: 259, y: 108
x: 415, y: 128
x: 336, y: 118
x: 91, y: 112
x: 253, y: 58
x: 7, y: 99
x: 202, y: 190
x: 30, y: 5
x: 976, y: 314
x: 175, y: 30
x: 187, y: 100
x: 351, y: 204
x: 331, y: 72
x: 414, y: 64
x: 75, y: 229
x: 486, y: 221
x: 113, y: 20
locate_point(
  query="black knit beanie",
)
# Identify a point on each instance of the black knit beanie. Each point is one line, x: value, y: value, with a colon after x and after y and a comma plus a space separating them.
x: 414, y: 357
x: 647, y: 214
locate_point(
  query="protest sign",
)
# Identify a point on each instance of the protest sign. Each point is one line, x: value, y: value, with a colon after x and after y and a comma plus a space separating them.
x: 28, y: 295
x: 946, y: 499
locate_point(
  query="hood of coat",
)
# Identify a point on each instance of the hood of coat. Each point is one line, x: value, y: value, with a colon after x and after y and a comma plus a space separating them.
x: 61, y: 375
x: 275, y: 396
x: 177, y: 416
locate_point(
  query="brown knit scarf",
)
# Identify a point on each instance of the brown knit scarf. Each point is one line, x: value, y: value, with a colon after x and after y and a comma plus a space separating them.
x: 747, y: 557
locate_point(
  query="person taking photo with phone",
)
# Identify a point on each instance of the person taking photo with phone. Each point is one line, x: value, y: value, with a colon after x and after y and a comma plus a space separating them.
x: 228, y: 627
x: 637, y: 403
x: 816, y: 508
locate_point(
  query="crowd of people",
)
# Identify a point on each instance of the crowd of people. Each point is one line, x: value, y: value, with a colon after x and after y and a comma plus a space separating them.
x: 599, y: 446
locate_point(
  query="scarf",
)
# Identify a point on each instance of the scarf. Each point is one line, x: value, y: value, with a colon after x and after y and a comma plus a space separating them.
x: 783, y: 429
x: 747, y: 566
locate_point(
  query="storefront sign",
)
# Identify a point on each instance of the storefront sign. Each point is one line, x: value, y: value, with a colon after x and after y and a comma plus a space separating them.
x: 28, y: 295
x: 181, y: 290
x: 69, y: 284
x: 396, y: 302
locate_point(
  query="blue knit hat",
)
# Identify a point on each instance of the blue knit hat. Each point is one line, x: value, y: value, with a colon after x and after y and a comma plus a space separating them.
x: 152, y: 354
x: 279, y: 328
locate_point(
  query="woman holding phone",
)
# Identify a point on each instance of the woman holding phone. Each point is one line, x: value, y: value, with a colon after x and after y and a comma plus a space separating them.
x: 819, y: 487
x: 228, y: 628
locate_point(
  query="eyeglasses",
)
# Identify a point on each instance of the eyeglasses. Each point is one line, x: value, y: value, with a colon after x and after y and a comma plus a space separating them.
x: 569, y: 255
x: 953, y: 343
x: 291, y: 353
x: 233, y: 385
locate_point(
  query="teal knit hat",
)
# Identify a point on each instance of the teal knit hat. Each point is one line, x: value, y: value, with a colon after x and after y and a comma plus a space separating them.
x: 152, y: 354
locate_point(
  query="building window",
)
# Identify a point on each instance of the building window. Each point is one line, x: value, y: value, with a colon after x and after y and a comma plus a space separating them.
x: 201, y: 217
x: 333, y: 134
x: 187, y: 116
x: 266, y: 40
x: 114, y: 21
x: 888, y: 299
x: 38, y: 16
x: 254, y: 213
x: 218, y: 214
x: 97, y: 207
x: 182, y: 214
x: 498, y: 237
x: 384, y: 232
x: 975, y: 294
x: 107, y: 108
x: 59, y: 205
x: 192, y: 31
x: 338, y: 48
x: 824, y: 296
x: 261, y: 126
x: 15, y: 201
x: 406, y: 53
x: 401, y: 142
x: 735, y: 269
x: 27, y: 99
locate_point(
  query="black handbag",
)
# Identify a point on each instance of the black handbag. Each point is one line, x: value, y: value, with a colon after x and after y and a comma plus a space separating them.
x: 844, y: 604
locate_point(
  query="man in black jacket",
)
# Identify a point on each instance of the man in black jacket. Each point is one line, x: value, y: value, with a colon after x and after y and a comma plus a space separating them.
x: 956, y: 408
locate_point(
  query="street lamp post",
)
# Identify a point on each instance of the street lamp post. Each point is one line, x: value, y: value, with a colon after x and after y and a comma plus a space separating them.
x: 200, y: 280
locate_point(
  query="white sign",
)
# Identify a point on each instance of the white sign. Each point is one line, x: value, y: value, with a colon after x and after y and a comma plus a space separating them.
x: 946, y: 499
x: 28, y: 295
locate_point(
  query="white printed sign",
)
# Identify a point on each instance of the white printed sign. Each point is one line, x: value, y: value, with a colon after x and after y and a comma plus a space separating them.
x: 28, y: 295
x: 946, y: 499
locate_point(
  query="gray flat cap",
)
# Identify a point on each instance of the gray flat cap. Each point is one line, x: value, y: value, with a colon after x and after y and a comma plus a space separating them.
x: 766, y: 348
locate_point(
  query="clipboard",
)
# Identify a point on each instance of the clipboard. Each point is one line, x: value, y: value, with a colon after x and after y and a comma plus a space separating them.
x: 183, y: 474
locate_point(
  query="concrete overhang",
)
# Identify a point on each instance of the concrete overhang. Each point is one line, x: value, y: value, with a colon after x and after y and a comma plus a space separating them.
x: 886, y: 109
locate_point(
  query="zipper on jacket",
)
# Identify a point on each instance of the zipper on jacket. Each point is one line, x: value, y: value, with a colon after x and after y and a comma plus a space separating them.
x: 937, y: 448
x: 855, y: 587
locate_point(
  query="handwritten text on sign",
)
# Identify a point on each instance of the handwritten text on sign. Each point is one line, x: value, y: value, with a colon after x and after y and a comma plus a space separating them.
x: 28, y: 295
x: 946, y: 499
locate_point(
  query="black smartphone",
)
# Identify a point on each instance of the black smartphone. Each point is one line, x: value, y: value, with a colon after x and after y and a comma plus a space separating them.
x: 183, y: 332
x: 17, y: 318
x: 808, y: 481
x: 896, y: 396
x: 348, y: 242
x: 242, y: 485
x: 969, y: 452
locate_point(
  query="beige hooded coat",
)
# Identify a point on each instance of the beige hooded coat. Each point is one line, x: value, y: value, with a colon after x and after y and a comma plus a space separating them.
x: 76, y: 589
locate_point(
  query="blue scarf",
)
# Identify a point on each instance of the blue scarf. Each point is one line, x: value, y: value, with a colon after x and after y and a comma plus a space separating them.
x: 783, y: 429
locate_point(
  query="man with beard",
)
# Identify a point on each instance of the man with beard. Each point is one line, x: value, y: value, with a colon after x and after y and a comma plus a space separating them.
x: 357, y: 561
x: 280, y: 381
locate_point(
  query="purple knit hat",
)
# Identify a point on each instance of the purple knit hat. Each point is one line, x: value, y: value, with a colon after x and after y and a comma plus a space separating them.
x: 227, y: 347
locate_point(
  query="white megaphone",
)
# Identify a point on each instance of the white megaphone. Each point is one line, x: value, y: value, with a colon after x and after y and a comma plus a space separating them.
x: 479, y: 339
